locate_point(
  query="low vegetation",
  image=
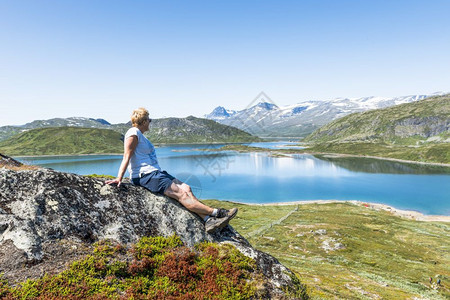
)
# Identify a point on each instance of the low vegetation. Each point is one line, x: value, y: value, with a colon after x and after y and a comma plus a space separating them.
x: 346, y: 251
x: 100, y: 176
x: 154, y: 268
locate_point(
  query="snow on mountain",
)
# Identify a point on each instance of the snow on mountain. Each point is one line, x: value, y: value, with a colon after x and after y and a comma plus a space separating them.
x: 291, y: 110
x: 297, y: 120
x: 72, y: 122
x: 266, y: 106
x: 220, y: 113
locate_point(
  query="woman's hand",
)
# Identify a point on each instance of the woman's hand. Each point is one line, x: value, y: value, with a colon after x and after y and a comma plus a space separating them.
x: 117, y: 181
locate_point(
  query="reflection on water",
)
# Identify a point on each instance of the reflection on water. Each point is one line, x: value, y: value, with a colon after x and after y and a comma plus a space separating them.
x: 78, y: 164
x: 261, y: 178
x: 371, y: 165
x: 276, y: 145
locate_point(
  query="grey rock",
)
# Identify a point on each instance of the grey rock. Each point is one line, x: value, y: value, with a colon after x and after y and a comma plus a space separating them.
x: 320, y: 232
x: 51, y: 205
x: 424, y: 127
x: 47, y: 214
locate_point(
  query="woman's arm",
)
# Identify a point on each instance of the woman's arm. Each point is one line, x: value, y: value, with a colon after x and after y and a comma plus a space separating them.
x: 129, y: 147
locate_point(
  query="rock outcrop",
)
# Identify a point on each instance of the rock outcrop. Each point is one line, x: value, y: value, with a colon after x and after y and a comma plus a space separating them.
x: 49, y: 218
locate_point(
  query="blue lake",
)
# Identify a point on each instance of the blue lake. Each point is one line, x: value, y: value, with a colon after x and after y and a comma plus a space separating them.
x: 261, y: 178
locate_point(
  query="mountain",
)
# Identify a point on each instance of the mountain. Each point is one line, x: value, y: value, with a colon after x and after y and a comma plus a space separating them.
x: 101, y: 121
x: 220, y: 113
x: 167, y: 130
x: 417, y: 131
x: 69, y: 122
x: 268, y: 120
x: 49, y: 219
x: 195, y: 130
x: 63, y: 140
x: 427, y: 120
x: 8, y: 131
x: 190, y: 130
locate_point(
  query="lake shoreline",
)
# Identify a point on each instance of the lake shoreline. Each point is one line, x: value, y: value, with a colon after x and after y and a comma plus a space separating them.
x: 59, y: 155
x: 273, y: 151
x: 331, y: 155
x: 408, y: 214
x: 246, y: 149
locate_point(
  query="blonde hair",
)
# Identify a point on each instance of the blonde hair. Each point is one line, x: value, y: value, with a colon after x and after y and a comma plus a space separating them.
x: 139, y: 116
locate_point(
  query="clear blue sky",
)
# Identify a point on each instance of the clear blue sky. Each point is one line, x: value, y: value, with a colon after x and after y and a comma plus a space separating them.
x: 177, y: 58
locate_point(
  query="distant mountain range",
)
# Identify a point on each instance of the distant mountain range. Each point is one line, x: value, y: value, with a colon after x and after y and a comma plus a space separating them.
x: 36, y: 138
x: 70, y: 122
x: 8, y: 131
x: 266, y: 119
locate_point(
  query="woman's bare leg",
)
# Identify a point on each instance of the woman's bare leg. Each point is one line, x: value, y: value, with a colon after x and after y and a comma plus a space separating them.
x: 182, y: 192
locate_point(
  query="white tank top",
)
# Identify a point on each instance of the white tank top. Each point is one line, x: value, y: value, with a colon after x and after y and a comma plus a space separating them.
x: 143, y: 160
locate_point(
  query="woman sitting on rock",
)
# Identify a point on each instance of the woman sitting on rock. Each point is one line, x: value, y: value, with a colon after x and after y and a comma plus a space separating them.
x: 140, y: 158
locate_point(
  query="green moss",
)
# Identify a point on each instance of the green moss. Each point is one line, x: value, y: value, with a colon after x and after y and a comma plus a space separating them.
x: 300, y: 290
x: 100, y: 176
x: 155, y: 247
x: 4, y: 287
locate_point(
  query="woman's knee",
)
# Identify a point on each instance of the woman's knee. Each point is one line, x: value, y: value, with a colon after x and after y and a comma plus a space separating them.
x: 181, y: 193
x: 187, y: 200
x: 173, y: 191
x: 186, y: 188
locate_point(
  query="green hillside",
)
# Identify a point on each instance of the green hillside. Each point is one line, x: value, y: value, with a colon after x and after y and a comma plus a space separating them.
x: 195, y: 130
x: 427, y: 120
x: 63, y: 140
x: 418, y: 131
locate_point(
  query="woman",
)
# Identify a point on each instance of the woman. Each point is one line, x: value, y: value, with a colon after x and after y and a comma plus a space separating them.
x: 140, y: 158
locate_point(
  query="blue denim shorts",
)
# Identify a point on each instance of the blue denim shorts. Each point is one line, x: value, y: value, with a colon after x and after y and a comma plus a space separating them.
x: 156, y: 181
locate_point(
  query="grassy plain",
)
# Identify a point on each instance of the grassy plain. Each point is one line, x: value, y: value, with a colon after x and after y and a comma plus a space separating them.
x: 347, y: 251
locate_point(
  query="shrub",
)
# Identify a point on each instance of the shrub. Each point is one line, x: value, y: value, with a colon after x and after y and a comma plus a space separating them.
x: 154, y: 268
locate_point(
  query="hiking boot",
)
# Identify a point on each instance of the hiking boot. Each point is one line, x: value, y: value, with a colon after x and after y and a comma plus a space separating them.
x: 220, y: 220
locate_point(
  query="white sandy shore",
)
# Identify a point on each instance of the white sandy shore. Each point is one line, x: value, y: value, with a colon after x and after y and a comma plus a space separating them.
x: 409, y: 214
